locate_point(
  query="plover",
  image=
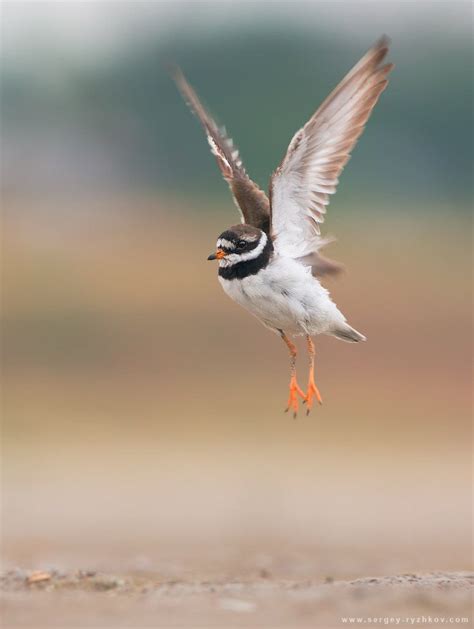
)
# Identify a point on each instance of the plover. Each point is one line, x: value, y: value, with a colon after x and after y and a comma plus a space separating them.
x: 271, y: 262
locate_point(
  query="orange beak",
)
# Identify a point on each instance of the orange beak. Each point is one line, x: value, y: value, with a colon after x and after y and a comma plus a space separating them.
x: 218, y: 255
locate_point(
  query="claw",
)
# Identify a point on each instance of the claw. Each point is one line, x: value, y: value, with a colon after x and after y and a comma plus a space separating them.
x: 295, y: 390
x: 313, y: 392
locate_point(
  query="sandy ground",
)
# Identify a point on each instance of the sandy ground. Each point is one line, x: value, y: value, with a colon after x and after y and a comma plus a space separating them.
x: 89, y: 599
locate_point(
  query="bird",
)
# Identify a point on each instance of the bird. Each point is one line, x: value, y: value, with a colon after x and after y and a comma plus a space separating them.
x: 271, y: 262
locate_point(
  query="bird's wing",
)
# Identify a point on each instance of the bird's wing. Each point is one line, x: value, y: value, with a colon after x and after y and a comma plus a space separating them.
x: 252, y: 202
x: 308, y: 174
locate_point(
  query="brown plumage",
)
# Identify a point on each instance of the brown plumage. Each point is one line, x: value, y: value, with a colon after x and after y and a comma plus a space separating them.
x: 249, y: 198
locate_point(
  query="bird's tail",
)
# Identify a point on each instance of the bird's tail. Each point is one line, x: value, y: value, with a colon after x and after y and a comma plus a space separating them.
x: 348, y: 334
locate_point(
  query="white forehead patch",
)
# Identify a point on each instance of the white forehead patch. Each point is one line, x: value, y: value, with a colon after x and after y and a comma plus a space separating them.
x: 226, y: 244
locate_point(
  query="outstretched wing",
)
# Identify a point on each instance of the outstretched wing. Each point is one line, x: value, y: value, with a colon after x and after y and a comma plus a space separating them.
x: 308, y: 174
x: 252, y: 202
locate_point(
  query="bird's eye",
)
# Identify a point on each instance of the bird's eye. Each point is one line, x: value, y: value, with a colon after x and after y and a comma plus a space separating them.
x: 241, y: 244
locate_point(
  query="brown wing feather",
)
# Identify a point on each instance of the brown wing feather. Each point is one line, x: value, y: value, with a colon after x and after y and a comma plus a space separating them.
x: 250, y: 199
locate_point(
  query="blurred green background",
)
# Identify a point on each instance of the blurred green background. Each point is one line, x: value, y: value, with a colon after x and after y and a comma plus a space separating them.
x: 142, y: 414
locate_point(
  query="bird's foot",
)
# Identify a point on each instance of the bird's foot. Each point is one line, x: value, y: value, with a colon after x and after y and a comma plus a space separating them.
x: 295, y: 390
x: 313, y: 392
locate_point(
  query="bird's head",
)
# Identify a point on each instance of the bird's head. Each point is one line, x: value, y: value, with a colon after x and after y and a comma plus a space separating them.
x: 239, y: 243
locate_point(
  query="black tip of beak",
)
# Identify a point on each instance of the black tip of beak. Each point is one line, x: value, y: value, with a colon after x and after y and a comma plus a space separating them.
x: 212, y: 257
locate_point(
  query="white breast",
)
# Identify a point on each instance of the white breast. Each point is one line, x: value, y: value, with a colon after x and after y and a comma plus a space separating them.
x: 284, y: 295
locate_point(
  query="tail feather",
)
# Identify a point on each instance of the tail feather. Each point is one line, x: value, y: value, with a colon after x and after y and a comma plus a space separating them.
x: 348, y: 334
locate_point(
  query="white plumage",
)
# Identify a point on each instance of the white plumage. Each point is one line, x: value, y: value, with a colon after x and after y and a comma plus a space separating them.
x: 285, y: 296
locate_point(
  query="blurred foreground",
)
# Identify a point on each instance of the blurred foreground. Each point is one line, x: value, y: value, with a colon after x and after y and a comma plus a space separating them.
x: 144, y: 431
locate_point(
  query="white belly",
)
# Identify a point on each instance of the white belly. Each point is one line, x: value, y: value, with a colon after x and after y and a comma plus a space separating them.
x: 284, y: 295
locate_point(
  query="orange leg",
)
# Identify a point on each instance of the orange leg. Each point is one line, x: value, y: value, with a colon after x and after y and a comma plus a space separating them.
x: 295, y: 390
x: 313, y: 391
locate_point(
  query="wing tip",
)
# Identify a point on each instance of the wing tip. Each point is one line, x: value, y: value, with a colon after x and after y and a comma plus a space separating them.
x: 384, y: 41
x: 174, y: 71
x: 377, y: 53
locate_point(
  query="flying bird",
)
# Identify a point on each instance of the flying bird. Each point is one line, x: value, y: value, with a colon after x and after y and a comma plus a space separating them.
x: 270, y: 262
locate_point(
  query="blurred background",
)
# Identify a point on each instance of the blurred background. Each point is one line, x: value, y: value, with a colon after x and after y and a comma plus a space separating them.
x: 137, y: 433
